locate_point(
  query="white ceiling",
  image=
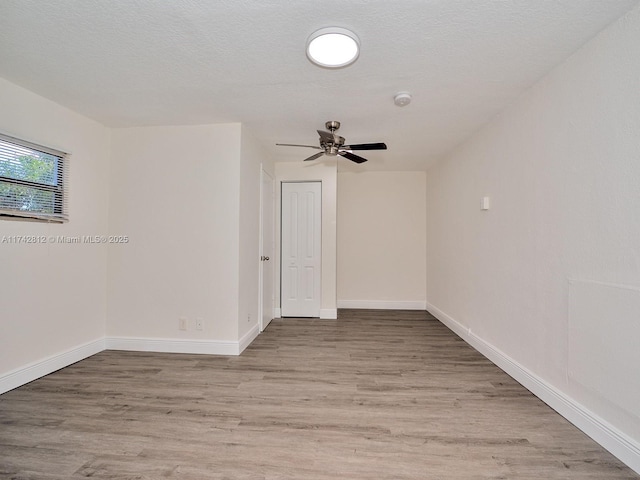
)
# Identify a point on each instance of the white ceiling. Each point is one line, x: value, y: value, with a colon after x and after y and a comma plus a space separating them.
x: 177, y: 62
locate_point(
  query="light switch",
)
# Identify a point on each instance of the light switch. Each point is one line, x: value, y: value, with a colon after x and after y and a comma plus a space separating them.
x: 484, y: 204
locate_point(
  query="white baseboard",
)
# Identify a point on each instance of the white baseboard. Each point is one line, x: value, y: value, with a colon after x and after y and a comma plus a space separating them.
x: 329, y: 313
x: 612, y: 439
x: 248, y: 337
x: 35, y: 370
x: 383, y: 304
x: 165, y: 345
x: 325, y: 313
x: 23, y: 375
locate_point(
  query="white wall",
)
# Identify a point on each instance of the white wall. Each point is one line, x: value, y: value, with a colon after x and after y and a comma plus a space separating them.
x: 188, y: 201
x: 381, y: 240
x: 539, y: 277
x: 53, y: 296
x: 324, y: 171
x: 175, y: 191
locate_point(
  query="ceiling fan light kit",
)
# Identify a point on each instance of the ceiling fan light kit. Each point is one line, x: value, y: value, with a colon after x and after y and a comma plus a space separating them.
x: 332, y: 144
x: 333, y: 47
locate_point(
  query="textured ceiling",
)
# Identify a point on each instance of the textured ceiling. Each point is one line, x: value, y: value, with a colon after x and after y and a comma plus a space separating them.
x: 158, y: 62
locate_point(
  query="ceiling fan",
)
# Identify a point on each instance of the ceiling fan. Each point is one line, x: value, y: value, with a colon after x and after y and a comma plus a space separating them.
x: 332, y: 144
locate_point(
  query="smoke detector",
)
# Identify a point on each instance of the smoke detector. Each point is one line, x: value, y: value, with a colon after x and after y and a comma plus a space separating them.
x: 402, y: 99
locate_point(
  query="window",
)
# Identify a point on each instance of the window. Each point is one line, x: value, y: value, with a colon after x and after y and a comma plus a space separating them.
x: 32, y: 181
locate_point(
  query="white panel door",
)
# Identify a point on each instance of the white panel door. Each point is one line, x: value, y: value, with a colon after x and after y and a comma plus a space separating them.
x: 266, y: 250
x: 301, y: 249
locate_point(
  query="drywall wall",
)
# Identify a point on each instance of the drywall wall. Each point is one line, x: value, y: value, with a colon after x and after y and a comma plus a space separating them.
x: 381, y: 240
x: 175, y: 193
x: 324, y: 171
x: 562, y: 170
x: 53, y: 294
x: 252, y: 159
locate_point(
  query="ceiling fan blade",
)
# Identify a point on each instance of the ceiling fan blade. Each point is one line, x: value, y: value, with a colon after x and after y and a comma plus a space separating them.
x: 296, y: 145
x: 352, y: 157
x: 365, y: 146
x: 326, y: 137
x: 314, y: 156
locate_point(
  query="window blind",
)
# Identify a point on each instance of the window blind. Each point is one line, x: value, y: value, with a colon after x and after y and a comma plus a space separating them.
x: 33, y: 181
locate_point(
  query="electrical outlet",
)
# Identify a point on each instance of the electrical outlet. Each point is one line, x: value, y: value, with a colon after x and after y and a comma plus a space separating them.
x: 199, y: 323
x: 182, y: 323
x: 249, y: 318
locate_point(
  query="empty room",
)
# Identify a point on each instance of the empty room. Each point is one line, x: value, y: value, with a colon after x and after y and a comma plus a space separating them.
x: 319, y: 240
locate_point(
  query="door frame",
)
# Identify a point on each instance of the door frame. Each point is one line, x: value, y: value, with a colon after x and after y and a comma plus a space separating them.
x: 261, y: 322
x: 326, y: 172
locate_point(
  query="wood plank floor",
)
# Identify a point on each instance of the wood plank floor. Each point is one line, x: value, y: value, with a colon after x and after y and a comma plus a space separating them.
x: 373, y: 395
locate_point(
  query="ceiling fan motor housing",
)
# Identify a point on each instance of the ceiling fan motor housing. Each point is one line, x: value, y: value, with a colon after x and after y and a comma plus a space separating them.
x: 331, y: 150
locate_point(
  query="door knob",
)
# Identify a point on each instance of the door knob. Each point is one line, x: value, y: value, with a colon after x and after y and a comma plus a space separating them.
x: 264, y: 259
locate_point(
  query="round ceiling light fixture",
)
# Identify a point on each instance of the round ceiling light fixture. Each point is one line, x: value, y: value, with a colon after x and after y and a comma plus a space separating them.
x: 333, y: 47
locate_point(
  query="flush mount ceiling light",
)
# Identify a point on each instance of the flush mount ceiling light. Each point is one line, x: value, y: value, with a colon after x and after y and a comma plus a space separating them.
x: 333, y: 47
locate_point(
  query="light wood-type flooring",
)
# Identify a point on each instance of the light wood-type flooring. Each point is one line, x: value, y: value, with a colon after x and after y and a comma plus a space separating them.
x: 373, y: 395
